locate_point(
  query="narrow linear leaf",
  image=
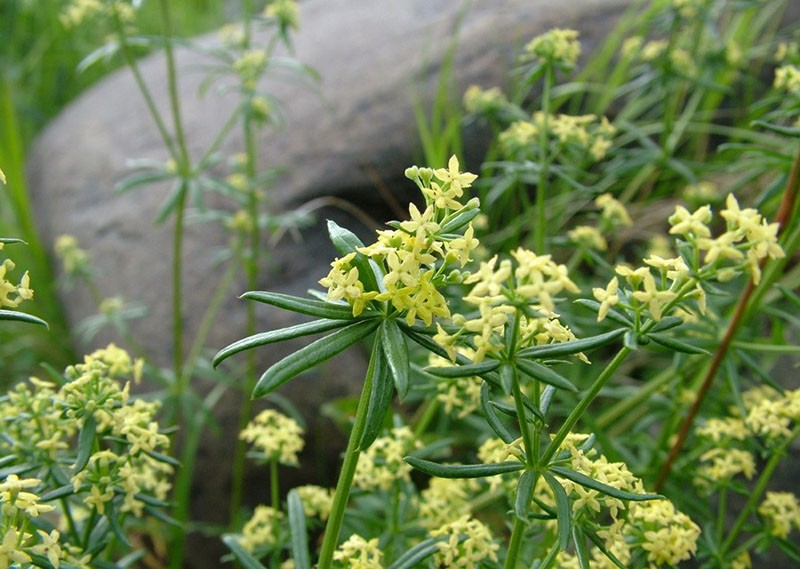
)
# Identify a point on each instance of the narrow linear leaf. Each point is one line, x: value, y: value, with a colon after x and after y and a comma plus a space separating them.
x: 545, y: 374
x: 507, y: 378
x: 240, y: 553
x: 297, y: 531
x: 309, y: 306
x: 511, y: 410
x: 522, y: 504
x: 309, y: 356
x: 21, y: 317
x: 467, y: 370
x: 159, y: 514
x: 60, y: 492
x: 347, y: 242
x: 280, y: 335
x: 666, y: 323
x: 612, y: 314
x: 10, y: 240
x: 460, y: 220
x: 116, y: 527
x: 380, y: 397
x: 85, y: 443
x: 571, y: 347
x: 546, y: 399
x: 411, y: 558
x: 165, y: 458
x: 171, y: 202
x: 600, y: 544
x: 395, y: 350
x: 581, y: 551
x: 563, y: 510
x: 491, y: 416
x: 588, y: 482
x: 630, y: 340
x: 789, y: 131
x: 676, y: 345
x: 463, y: 470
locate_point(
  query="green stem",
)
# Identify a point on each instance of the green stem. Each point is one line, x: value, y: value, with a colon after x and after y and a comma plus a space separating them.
x: 514, y: 543
x: 183, y: 486
x: 582, y: 405
x: 274, y: 484
x: 758, y: 490
x: 544, y: 165
x: 345, y: 483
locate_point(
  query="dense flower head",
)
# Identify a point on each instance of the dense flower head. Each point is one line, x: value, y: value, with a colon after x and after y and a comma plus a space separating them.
x: 12, y: 295
x: 414, y: 256
x: 75, y: 260
x: 787, y: 79
x: 557, y: 47
x: 316, y: 500
x: 588, y: 237
x: 359, y: 553
x: 250, y: 65
x: 466, y: 543
x: 667, y: 535
x: 285, y: 13
x: 587, y: 133
x: 382, y: 464
x: 445, y: 500
x: 480, y: 100
x: 720, y: 465
x: 275, y: 436
x: 498, y: 287
x: 82, y: 12
x: 262, y: 529
x: 781, y: 513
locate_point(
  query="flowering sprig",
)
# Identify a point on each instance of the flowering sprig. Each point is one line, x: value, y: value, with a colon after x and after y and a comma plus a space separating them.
x: 98, y: 454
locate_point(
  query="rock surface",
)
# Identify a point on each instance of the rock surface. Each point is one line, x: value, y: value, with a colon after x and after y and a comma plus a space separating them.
x: 359, y: 124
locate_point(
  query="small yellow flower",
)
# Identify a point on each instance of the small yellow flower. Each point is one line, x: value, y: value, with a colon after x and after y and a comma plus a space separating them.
x: 558, y: 46
x: 607, y: 298
x: 359, y: 553
x: 685, y: 223
x: 458, y: 180
x: 275, y: 437
x: 261, y: 529
x: 781, y: 513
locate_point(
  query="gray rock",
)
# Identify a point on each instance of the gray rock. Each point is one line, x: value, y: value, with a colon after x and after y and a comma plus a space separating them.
x: 358, y: 125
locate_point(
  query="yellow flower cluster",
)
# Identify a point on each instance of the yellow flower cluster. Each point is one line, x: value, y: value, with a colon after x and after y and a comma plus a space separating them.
x: 445, y: 500
x: 382, y: 464
x: 787, y: 78
x: 720, y: 465
x: 21, y: 291
x: 275, y: 437
x: 533, y: 279
x: 479, y: 100
x: 781, y: 513
x: 285, y: 13
x: 75, y: 260
x: 655, y: 526
x: 468, y: 543
x: 459, y: 395
x: 80, y: 12
x: 317, y: 501
x: 18, y: 506
x: 262, y: 528
x: 579, y: 131
x: 250, y: 65
x: 359, y: 553
x: 44, y: 419
x: 557, y: 47
x: 689, y: 8
x: 415, y: 254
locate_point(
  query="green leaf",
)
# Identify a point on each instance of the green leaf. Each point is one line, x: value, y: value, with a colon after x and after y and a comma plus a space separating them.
x: 86, y: 440
x: 171, y: 202
x: 600, y: 544
x: 463, y: 470
x: 21, y: 317
x: 380, y: 396
x: 676, y: 345
x: 491, y: 416
x: 309, y: 306
x: 240, y: 553
x: 564, y: 511
x: 165, y: 458
x: 11, y: 240
x: 581, y: 551
x: 347, y: 242
x: 546, y: 399
x: 396, y: 351
x: 790, y: 131
x: 522, y: 504
x: 666, y: 323
x: 459, y: 221
x: 571, y: 347
x: 114, y: 521
x: 467, y: 370
x: 141, y: 179
x: 60, y: 492
x: 612, y: 315
x: 545, y: 374
x: 280, y: 335
x: 309, y: 356
x: 507, y: 378
x: 414, y: 556
x: 297, y: 531
x: 588, y: 482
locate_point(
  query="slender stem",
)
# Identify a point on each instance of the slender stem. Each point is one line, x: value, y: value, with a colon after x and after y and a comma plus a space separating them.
x: 760, y: 487
x: 345, y: 483
x: 274, y: 484
x: 583, y: 404
x: 514, y: 543
x: 522, y: 418
x: 544, y: 164
x: 183, y: 485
